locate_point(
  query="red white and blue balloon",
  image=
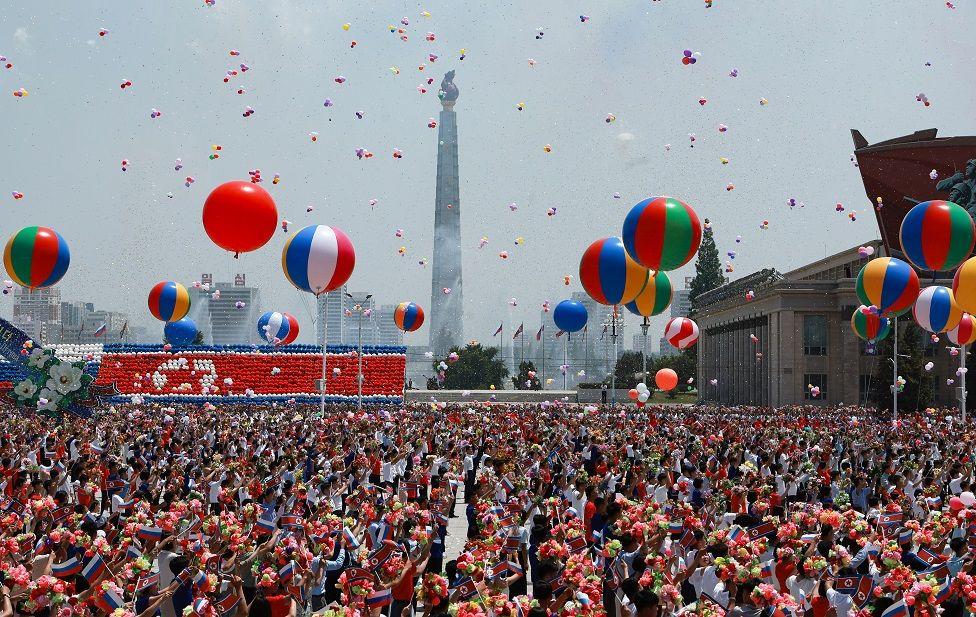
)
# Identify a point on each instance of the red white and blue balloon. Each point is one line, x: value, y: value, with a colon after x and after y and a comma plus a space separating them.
x: 318, y: 259
x: 278, y: 328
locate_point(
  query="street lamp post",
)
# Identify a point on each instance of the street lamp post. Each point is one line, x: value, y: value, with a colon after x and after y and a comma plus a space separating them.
x: 361, y: 312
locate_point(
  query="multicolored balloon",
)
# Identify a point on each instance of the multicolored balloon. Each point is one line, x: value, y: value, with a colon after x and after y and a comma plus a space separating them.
x: 964, y: 286
x: 681, y: 332
x: 181, y: 333
x: 36, y: 257
x: 318, y: 259
x: 937, y: 235
x: 408, y: 316
x: 662, y: 233
x: 570, y: 315
x: 655, y: 298
x: 889, y: 284
x: 278, y: 328
x: 936, y: 310
x: 169, y: 301
x: 965, y: 332
x: 609, y: 274
x: 868, y: 325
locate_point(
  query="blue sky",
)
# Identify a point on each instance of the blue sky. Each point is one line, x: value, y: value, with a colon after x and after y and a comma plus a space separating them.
x: 824, y: 67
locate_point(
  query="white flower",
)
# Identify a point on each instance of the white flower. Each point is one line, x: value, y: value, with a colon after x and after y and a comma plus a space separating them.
x: 65, y: 378
x: 25, y: 389
x: 50, y: 400
x: 39, y: 357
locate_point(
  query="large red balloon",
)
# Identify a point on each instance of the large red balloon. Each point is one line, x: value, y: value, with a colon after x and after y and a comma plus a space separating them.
x: 240, y: 216
x: 666, y: 379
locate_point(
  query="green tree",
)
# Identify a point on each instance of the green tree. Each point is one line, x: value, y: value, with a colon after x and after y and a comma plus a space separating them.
x: 918, y: 392
x: 628, y: 367
x: 708, y: 268
x: 476, y: 368
x: 520, y: 380
x: 685, y: 364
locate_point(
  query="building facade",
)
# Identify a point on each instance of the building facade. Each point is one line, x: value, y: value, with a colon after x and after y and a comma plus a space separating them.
x: 794, y: 334
x: 219, y: 319
x: 38, y: 312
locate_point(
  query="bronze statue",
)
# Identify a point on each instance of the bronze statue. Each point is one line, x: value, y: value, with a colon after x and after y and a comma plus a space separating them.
x: 962, y: 187
x: 448, y: 91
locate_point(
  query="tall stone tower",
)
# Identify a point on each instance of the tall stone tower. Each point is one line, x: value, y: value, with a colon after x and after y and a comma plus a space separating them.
x: 446, y: 309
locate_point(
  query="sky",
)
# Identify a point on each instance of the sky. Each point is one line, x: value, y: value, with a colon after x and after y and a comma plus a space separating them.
x: 824, y: 68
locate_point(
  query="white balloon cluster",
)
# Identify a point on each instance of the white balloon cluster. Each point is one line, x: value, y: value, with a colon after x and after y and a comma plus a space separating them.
x: 643, y: 393
x: 76, y: 352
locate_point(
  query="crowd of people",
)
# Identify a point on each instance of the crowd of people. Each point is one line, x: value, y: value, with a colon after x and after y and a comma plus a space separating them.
x: 562, y: 510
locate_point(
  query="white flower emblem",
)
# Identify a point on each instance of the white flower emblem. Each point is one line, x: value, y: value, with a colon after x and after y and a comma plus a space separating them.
x: 65, y: 378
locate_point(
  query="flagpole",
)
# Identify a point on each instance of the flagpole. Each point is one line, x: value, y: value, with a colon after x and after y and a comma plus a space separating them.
x: 894, y: 376
x: 962, y: 394
x: 325, y: 337
x: 522, y: 343
x: 543, y: 381
x: 586, y: 352
x: 566, y: 360
x: 613, y: 369
x: 644, y: 327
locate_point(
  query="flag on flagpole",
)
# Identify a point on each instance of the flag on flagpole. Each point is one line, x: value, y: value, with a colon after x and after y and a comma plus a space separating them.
x: 604, y: 333
x: 125, y: 328
x: 538, y: 335
x: 498, y: 331
x: 518, y: 331
x: 100, y: 330
x: 560, y: 333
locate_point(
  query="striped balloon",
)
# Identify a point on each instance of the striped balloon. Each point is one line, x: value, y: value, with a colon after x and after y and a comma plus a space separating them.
x: 169, y: 301
x: 609, y: 274
x: 889, y: 284
x: 681, y: 332
x: 36, y: 257
x: 655, y: 297
x: 964, y: 286
x: 408, y: 316
x: 870, y: 326
x: 318, y: 259
x: 937, y: 235
x: 936, y: 310
x: 965, y: 332
x: 278, y: 328
x: 662, y: 233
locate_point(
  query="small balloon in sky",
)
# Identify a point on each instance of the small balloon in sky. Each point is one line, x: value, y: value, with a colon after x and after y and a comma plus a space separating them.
x: 616, y: 195
x: 513, y: 206
x: 399, y: 233
x: 921, y: 98
x: 446, y: 291
x: 839, y: 207
x: 155, y: 113
x: 482, y: 242
x: 102, y: 31
x: 551, y: 212
x: 327, y: 103
x: 373, y: 202
x: 513, y: 302
x: 584, y: 18
x: 750, y: 295
x: 339, y: 79
x: 722, y: 128
x: 397, y: 153
x: 734, y: 73
x: 179, y: 164
x: 125, y: 164
x: 284, y: 225
x: 309, y: 209
x: 547, y: 148
x: 532, y: 62
x: 763, y: 101
x: 934, y: 174
x: 567, y: 279
x: 503, y: 254
x: 610, y: 118
x: 276, y: 179
x: 126, y: 83
x: 17, y: 194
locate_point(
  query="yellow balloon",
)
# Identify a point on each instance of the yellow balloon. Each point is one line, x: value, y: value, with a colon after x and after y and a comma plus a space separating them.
x: 964, y: 286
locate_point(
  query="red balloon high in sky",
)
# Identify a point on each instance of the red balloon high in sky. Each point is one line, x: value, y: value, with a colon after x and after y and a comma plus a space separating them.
x: 240, y: 216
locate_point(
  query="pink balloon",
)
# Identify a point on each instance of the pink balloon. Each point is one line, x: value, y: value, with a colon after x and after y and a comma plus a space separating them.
x: 956, y: 504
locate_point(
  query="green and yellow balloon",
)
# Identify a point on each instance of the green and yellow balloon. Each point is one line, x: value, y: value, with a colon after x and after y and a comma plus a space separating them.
x: 655, y: 298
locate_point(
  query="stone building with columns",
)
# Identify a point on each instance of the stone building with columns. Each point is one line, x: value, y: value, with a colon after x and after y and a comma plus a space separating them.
x: 795, y: 333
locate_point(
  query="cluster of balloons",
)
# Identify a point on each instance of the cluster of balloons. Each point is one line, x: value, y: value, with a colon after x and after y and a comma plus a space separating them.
x: 640, y: 394
x: 935, y: 236
x: 659, y: 234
